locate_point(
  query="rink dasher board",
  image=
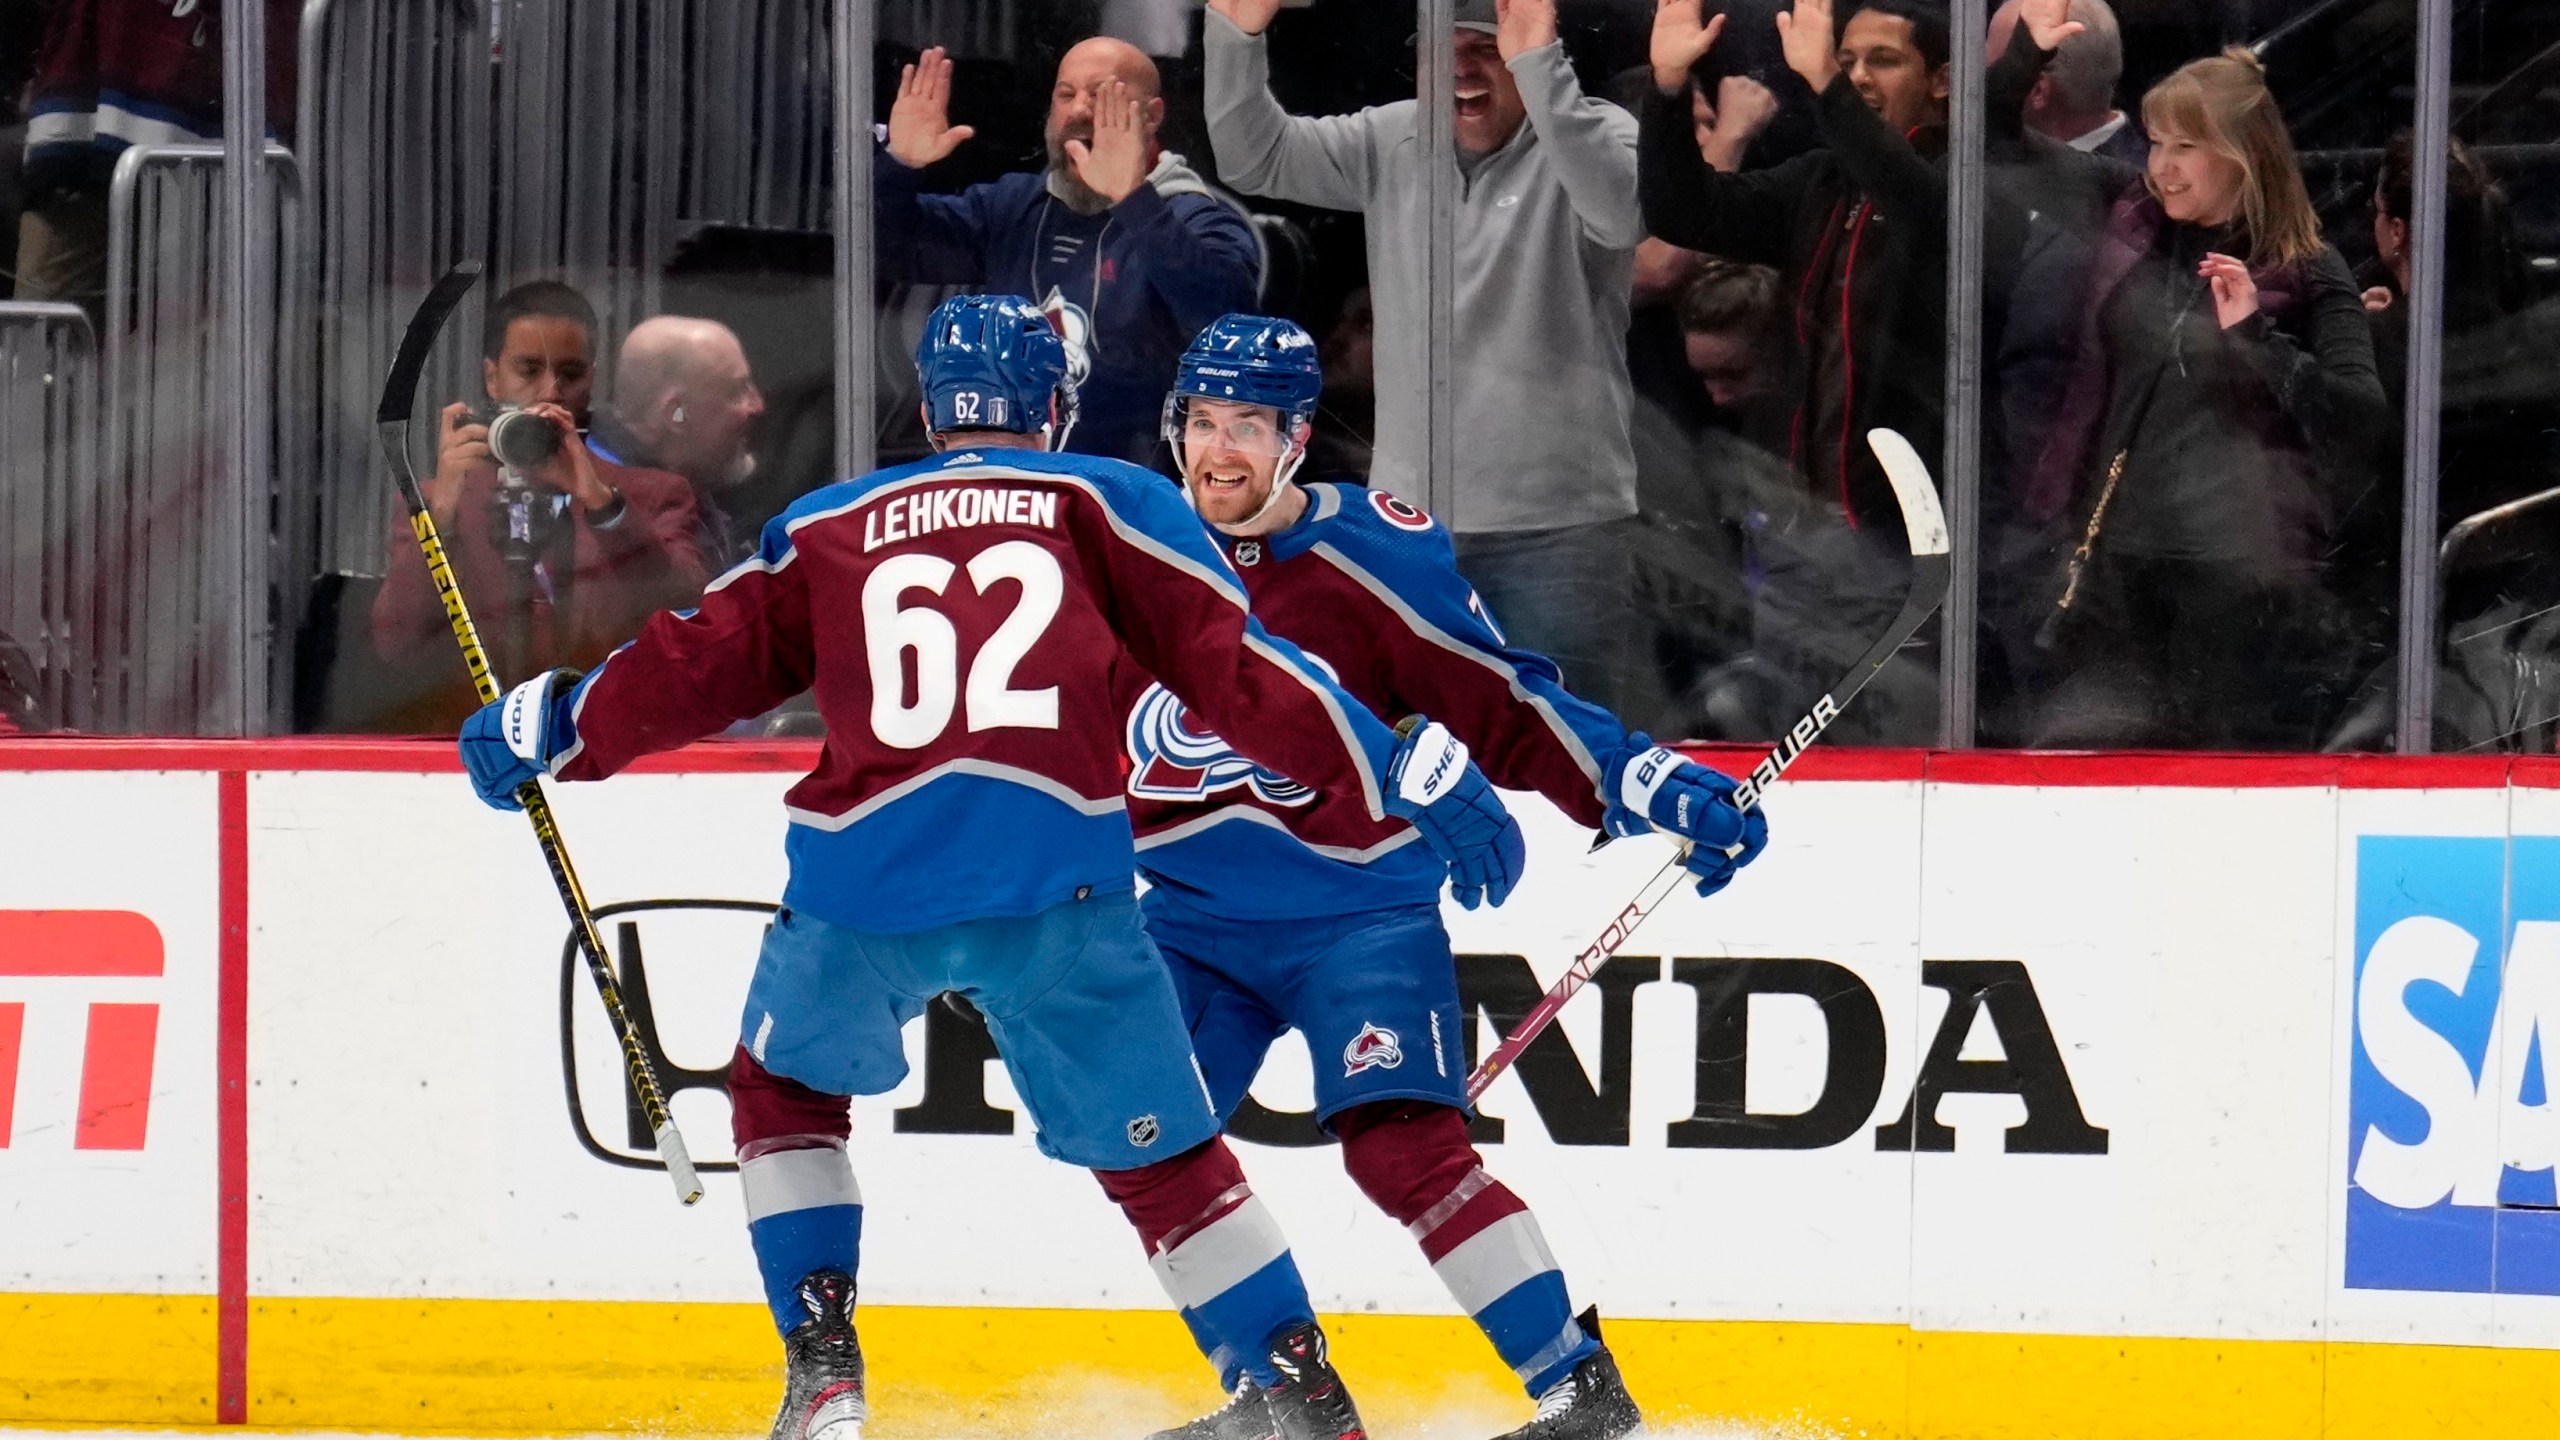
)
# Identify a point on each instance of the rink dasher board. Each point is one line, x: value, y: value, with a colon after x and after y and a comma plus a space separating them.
x: 2194, y: 953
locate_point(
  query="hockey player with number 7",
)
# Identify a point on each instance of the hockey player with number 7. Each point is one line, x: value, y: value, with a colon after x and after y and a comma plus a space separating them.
x: 1280, y: 906
x: 959, y: 621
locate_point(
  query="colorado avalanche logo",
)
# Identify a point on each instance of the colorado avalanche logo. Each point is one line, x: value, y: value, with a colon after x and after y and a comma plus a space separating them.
x: 1374, y: 1048
x: 1074, y: 327
x: 1397, y: 513
x: 1171, y: 759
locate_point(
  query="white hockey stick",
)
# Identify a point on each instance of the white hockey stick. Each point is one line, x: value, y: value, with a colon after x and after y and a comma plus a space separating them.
x: 1931, y: 571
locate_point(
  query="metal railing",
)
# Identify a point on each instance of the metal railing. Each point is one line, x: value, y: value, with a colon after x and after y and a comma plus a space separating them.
x: 393, y: 133
x: 572, y: 141
x: 181, y: 546
x: 48, y: 479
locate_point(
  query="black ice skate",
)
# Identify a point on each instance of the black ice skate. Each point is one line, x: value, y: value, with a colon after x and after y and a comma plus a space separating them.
x: 1592, y: 1403
x: 1245, y: 1416
x: 1309, y: 1403
x: 822, y: 1399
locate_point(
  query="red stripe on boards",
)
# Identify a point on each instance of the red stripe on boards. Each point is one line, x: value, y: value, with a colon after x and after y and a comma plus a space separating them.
x: 1823, y: 762
x: 231, y: 1104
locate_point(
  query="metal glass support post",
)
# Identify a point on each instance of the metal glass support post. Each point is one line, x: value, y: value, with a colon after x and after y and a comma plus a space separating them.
x: 1436, y: 129
x: 857, y: 344
x: 1961, y: 485
x: 2419, y: 621
x: 248, y: 250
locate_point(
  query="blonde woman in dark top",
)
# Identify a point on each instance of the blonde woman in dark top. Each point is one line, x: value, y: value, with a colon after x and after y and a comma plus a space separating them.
x: 2222, y: 410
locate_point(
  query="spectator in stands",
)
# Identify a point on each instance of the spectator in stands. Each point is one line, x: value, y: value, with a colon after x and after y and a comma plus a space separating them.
x: 113, y: 74
x: 1707, y: 492
x: 1547, y: 230
x: 1733, y: 330
x: 1129, y: 251
x: 1660, y: 372
x: 2074, y: 100
x: 605, y: 544
x: 685, y: 402
x: 2500, y: 409
x: 2220, y: 414
x: 1857, y: 228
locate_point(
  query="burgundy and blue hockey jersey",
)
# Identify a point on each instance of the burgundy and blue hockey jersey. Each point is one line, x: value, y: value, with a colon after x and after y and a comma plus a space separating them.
x: 1367, y: 587
x: 961, y: 622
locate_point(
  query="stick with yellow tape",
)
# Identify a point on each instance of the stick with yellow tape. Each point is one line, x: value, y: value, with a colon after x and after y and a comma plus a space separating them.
x: 391, y: 422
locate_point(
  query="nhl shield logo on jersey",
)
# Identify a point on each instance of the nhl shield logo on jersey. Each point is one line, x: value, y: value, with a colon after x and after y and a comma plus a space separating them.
x: 1172, y: 759
x: 1144, y: 1130
x: 1374, y: 1048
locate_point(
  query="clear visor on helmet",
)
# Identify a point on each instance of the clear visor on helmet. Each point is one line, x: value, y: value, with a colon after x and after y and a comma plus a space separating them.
x: 1196, y: 428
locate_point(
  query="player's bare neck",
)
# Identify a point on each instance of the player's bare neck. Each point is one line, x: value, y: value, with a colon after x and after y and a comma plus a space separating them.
x: 950, y: 440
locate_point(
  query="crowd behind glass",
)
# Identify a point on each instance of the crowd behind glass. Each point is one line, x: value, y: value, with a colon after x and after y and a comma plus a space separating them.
x: 1700, y: 252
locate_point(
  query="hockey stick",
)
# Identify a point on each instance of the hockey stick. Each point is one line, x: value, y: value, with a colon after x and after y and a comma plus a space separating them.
x: 391, y: 426
x: 1931, y: 570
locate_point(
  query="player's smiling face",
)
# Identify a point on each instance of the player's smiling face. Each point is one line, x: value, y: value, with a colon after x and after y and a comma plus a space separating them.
x: 1230, y: 457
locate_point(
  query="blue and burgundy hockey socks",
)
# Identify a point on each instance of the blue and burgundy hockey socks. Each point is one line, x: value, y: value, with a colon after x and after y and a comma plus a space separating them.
x: 804, y: 1212
x: 1218, y: 1253
x: 1414, y: 1160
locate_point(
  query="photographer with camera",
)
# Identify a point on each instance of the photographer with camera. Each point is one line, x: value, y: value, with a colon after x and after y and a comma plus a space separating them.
x: 563, y: 552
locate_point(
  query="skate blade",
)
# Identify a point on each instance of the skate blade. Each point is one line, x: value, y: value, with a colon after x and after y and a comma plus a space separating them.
x: 837, y: 1419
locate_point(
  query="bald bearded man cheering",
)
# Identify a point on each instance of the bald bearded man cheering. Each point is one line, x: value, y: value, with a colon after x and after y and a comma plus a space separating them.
x: 1128, y: 251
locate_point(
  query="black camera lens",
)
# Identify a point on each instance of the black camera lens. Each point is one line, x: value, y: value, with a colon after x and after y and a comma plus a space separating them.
x: 522, y: 440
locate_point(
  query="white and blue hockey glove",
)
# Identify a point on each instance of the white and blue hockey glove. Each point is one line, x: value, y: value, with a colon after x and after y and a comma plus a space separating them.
x: 1432, y: 785
x: 515, y: 737
x: 1655, y: 789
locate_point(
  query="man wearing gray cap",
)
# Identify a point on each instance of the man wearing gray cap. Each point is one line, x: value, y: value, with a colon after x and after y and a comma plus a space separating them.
x: 1547, y: 229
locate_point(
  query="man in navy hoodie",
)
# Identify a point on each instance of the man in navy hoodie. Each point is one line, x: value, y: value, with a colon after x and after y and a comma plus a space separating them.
x: 1128, y: 251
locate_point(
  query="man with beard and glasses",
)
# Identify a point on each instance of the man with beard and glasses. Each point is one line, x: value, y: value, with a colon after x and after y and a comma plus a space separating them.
x: 1124, y: 247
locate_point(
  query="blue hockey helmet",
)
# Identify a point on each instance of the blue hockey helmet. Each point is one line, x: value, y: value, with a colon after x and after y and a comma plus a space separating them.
x: 1248, y: 360
x: 1251, y: 360
x: 994, y: 362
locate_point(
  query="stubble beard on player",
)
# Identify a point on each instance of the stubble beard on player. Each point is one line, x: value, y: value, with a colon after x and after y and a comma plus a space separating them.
x: 1225, y: 504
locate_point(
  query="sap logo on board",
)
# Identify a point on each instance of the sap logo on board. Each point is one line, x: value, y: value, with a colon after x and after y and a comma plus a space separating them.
x: 108, y: 1043
x: 2453, y: 1143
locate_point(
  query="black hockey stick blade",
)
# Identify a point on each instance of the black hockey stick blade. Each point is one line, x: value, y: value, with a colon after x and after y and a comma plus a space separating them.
x: 1932, y: 570
x: 400, y: 387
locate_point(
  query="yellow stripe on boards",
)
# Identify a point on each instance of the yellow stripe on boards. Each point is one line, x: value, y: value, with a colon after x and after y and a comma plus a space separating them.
x: 137, y: 1359
x: 485, y: 1366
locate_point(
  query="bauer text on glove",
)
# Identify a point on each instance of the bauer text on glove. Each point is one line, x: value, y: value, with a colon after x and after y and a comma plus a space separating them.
x: 1649, y: 787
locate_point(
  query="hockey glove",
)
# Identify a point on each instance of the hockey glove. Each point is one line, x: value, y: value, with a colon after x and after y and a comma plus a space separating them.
x: 1654, y: 789
x: 1431, y: 784
x: 515, y: 737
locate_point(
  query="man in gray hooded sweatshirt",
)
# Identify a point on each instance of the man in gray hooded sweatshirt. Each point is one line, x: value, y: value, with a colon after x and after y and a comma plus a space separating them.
x: 1128, y: 251
x: 1547, y: 230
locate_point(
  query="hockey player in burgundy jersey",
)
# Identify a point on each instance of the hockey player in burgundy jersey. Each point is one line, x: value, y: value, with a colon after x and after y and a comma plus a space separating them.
x: 959, y: 621
x: 1279, y: 905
